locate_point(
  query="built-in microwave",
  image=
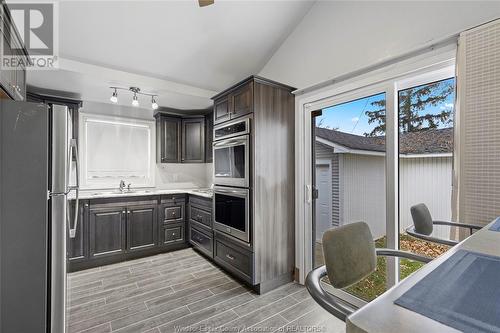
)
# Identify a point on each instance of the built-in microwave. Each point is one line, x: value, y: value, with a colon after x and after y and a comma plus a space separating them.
x: 232, y: 153
x: 232, y: 211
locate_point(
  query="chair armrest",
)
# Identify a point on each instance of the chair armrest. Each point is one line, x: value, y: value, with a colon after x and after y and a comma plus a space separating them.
x: 402, y: 254
x: 411, y: 231
x: 323, y: 298
x: 459, y: 225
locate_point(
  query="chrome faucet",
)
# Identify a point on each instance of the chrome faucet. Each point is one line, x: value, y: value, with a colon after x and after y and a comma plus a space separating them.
x: 122, y: 186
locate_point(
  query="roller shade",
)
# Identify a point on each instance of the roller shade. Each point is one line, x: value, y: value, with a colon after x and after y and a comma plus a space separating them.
x: 477, y: 159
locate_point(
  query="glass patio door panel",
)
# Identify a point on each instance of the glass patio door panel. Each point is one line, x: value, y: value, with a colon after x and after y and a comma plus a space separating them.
x: 350, y: 177
x: 425, y: 114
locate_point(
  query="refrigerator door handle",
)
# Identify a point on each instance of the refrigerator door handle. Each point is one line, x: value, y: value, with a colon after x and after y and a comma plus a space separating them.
x: 74, y: 147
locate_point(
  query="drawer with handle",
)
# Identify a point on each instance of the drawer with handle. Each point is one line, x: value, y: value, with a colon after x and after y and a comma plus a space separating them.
x: 234, y: 259
x: 201, y: 241
x: 173, y: 213
x: 173, y: 234
x: 200, y: 216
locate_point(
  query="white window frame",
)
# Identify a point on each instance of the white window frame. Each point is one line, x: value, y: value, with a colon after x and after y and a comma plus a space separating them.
x: 426, y: 68
x: 92, y: 117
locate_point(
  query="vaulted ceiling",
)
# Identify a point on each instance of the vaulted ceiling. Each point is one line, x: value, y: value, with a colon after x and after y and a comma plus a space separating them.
x: 174, y: 48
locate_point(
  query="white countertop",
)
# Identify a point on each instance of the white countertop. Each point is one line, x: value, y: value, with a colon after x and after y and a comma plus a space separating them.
x: 99, y: 194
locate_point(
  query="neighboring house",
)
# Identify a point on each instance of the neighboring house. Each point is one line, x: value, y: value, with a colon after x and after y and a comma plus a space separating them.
x: 350, y: 175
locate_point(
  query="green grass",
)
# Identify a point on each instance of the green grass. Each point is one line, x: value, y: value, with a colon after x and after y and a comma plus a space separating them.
x: 375, y: 284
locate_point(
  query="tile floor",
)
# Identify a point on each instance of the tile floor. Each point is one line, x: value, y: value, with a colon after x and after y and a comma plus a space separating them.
x: 182, y: 291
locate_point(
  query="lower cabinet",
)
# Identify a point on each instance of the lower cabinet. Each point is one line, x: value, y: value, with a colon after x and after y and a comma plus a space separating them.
x: 172, y: 233
x: 142, y: 227
x: 203, y: 241
x: 116, y: 229
x: 107, y: 231
x: 234, y: 257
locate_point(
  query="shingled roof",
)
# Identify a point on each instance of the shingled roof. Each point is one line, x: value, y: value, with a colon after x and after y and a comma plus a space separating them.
x: 431, y: 141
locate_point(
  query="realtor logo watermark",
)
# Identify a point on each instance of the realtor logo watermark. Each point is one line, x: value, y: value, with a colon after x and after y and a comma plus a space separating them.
x: 37, y: 28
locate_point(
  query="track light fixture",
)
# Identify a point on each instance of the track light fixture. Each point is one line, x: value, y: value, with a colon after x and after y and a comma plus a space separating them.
x: 135, y: 100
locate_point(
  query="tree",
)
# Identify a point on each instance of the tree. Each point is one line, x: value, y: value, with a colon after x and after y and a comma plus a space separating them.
x: 411, y: 102
x: 321, y: 124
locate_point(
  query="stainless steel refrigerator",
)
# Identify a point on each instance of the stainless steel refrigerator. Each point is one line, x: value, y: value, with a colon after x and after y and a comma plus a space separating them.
x: 38, y: 169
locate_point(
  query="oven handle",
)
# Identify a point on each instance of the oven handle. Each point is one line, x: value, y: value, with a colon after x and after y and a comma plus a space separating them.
x: 231, y: 142
x: 242, y: 191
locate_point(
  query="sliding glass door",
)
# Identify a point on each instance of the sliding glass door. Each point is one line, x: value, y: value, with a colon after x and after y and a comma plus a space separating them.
x: 425, y: 116
x: 377, y: 152
x: 349, y: 155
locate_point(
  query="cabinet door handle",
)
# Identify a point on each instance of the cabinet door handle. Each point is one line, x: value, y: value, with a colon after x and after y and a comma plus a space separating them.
x: 123, y: 212
x: 230, y: 257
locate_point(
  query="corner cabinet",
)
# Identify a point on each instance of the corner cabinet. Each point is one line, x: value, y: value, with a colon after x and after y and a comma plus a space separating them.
x: 193, y: 140
x: 183, y: 139
x: 168, y: 143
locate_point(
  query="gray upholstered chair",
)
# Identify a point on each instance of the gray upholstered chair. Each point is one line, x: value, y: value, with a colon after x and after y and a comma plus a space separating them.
x: 350, y: 256
x: 423, y: 226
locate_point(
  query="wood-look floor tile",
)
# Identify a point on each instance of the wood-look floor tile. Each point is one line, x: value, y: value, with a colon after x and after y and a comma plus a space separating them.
x: 212, y: 300
x: 270, y: 297
x: 252, y: 318
x: 183, y: 290
x: 201, y: 315
x: 156, y: 321
x: 270, y: 324
x: 177, y: 300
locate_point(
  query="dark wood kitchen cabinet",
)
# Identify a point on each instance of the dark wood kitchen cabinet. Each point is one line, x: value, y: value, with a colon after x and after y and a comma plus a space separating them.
x: 193, y: 140
x: 77, y: 249
x: 117, y: 229
x: 200, y: 224
x: 209, y: 137
x: 169, y: 139
x: 182, y: 139
x: 172, y: 222
x: 221, y: 109
x: 142, y: 227
x: 242, y: 101
x: 14, y: 57
x: 238, y: 102
x: 107, y: 230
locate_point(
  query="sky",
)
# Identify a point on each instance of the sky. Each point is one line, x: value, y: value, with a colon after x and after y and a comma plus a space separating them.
x: 351, y: 118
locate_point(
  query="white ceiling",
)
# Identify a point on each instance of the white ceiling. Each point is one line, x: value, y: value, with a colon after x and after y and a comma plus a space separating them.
x: 165, y: 44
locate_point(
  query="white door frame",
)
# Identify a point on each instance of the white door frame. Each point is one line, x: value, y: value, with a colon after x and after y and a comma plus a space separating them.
x: 379, y: 81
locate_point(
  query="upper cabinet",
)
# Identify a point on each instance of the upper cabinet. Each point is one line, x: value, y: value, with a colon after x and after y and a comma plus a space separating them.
x: 12, y: 80
x: 183, y: 139
x: 169, y: 139
x: 193, y: 140
x: 236, y: 103
x: 209, y: 137
x: 242, y: 101
x: 221, y: 110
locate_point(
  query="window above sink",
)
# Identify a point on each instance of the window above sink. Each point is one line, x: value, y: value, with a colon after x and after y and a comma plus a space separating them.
x: 114, y: 149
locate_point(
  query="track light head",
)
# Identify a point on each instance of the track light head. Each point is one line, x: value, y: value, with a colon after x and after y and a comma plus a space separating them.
x: 135, y: 101
x: 154, y: 105
x: 114, y: 97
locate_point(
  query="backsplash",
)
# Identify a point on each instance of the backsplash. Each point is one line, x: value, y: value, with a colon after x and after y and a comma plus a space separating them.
x: 183, y: 175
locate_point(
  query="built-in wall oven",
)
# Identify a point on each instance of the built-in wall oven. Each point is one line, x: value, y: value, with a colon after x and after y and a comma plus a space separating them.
x: 232, y: 153
x: 232, y: 211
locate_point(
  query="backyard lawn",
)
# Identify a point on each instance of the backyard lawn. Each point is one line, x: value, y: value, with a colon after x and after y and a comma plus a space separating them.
x: 374, y: 285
